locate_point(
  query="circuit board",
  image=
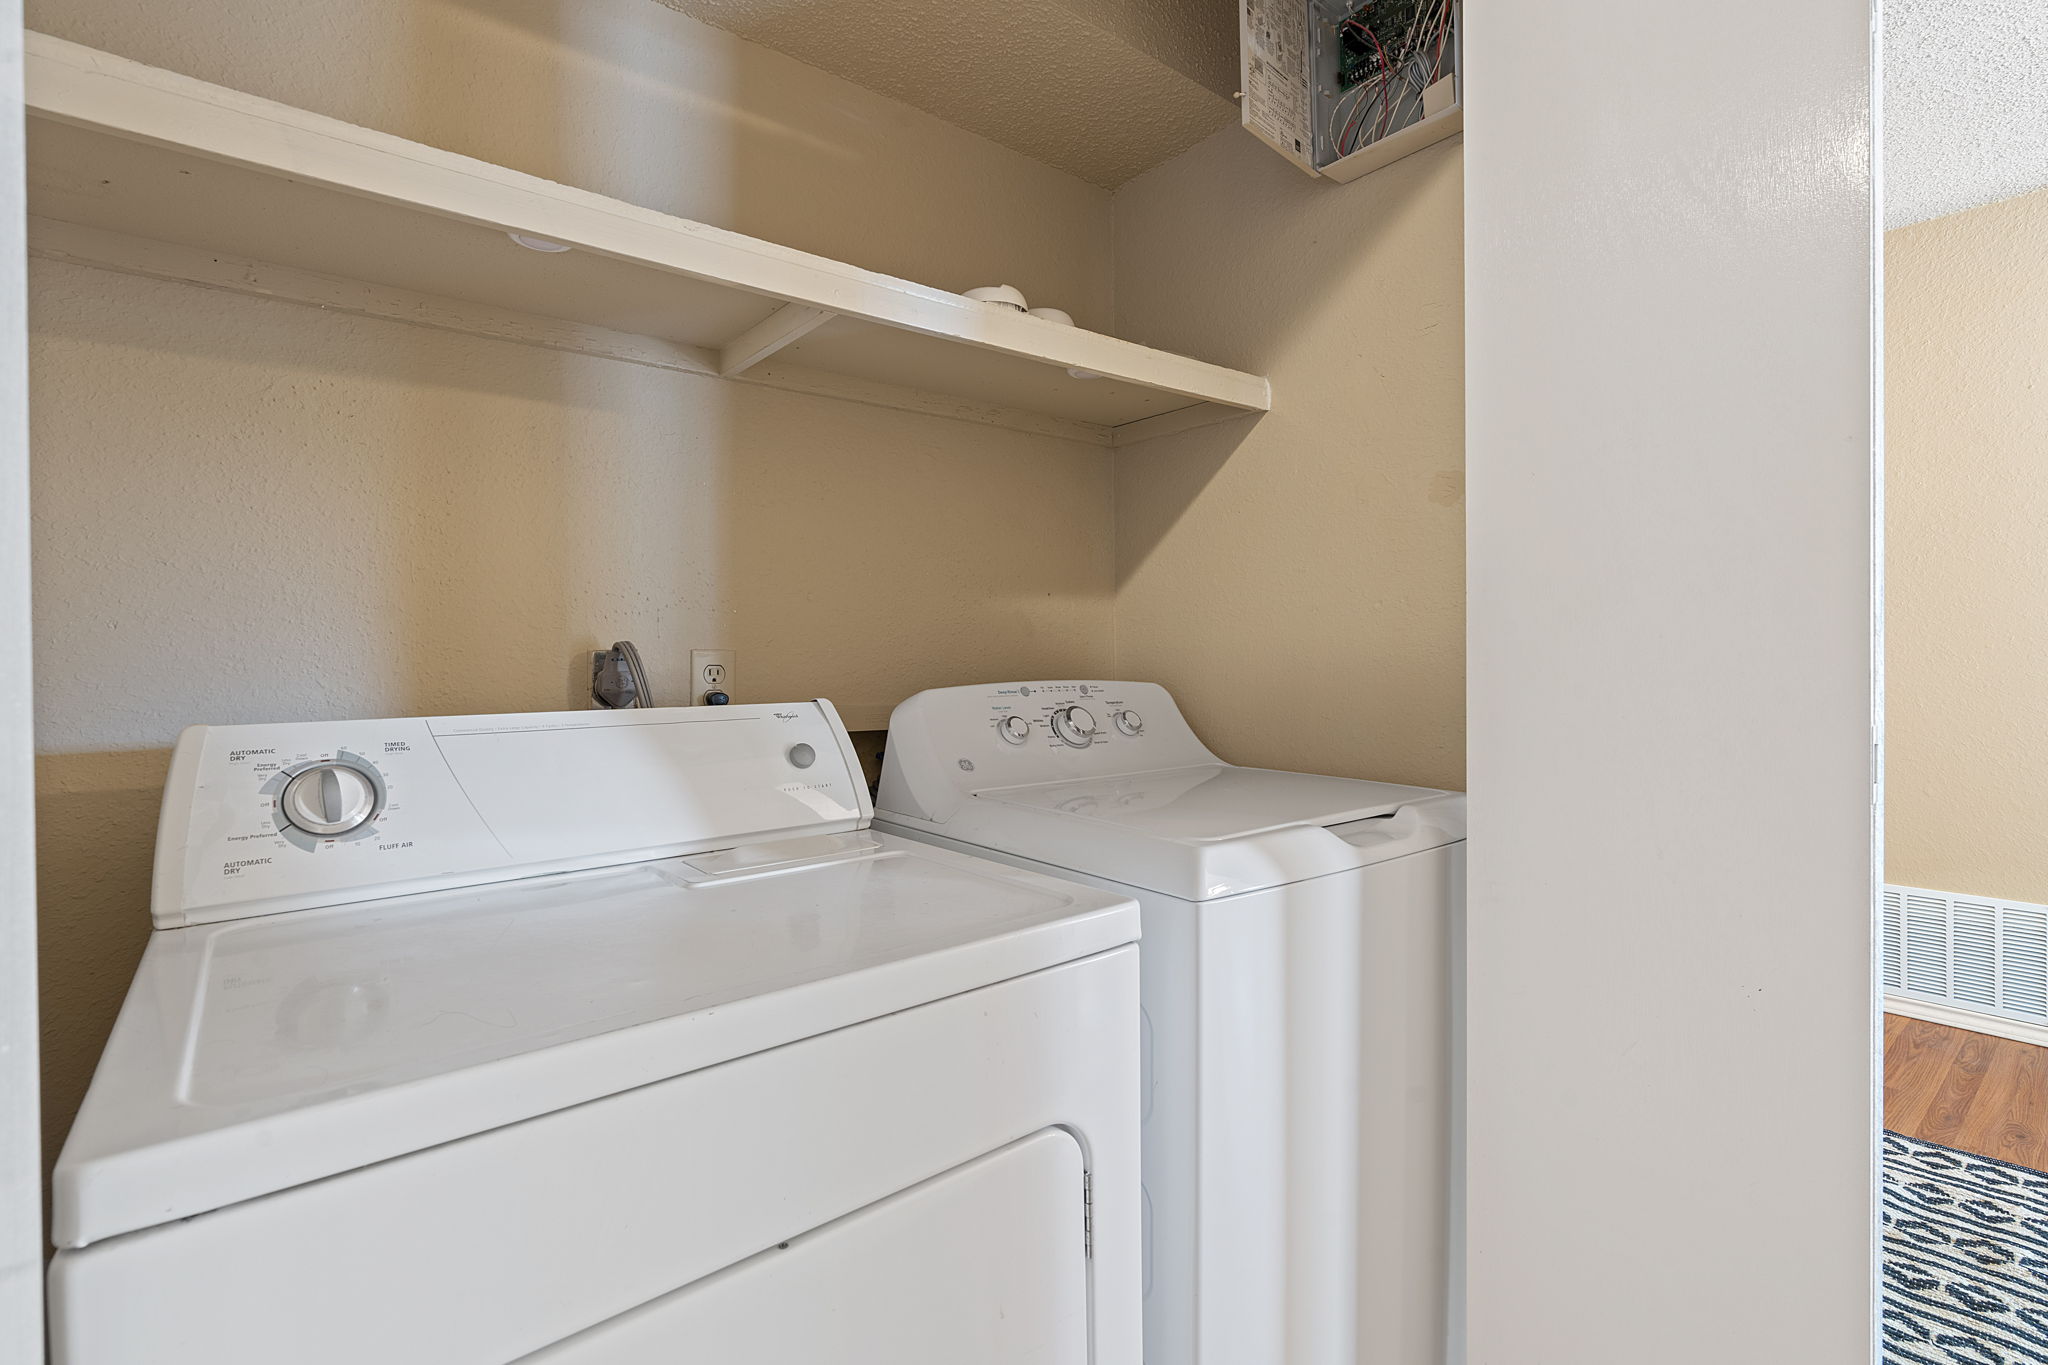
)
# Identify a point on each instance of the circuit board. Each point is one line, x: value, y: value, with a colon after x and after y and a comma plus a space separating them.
x: 1369, y: 35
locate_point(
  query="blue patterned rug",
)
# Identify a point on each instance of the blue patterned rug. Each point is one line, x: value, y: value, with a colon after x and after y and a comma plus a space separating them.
x: 1965, y: 1258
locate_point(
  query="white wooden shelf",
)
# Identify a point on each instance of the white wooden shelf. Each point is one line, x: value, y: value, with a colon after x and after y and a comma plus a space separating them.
x: 139, y: 169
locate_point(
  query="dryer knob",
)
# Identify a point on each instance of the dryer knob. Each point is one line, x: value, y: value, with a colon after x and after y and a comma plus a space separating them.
x: 330, y: 798
x: 1074, y: 725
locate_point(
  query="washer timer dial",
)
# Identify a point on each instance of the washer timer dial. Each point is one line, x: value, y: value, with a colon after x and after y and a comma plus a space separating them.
x: 1074, y: 725
x: 330, y: 798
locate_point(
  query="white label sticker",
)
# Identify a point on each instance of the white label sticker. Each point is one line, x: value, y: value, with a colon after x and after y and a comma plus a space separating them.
x: 1276, y: 105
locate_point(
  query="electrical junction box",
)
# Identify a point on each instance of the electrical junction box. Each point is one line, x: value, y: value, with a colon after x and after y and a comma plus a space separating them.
x: 1341, y: 88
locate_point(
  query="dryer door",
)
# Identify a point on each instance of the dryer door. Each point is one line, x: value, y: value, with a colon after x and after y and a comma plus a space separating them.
x: 984, y: 1263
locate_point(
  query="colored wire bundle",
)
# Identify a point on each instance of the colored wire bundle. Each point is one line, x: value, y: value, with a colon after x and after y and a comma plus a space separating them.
x: 1403, y: 57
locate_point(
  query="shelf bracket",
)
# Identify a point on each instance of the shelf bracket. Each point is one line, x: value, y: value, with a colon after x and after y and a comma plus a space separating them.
x: 791, y: 322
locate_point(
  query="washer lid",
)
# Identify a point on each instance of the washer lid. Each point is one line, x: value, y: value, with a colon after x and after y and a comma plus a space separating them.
x: 1211, y: 802
x: 1207, y: 830
x: 259, y: 1054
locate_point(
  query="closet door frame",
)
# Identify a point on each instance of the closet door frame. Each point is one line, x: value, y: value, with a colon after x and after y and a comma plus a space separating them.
x: 21, y: 1163
x: 1672, y: 268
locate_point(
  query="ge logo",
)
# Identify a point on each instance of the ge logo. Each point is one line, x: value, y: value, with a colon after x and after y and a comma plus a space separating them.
x: 966, y: 765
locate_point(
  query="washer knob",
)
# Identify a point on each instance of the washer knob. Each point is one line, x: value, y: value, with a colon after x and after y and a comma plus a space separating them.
x: 1015, y: 729
x: 330, y: 798
x: 1074, y: 725
x: 1130, y: 722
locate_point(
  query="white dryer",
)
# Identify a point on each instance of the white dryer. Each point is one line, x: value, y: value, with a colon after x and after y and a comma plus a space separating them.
x: 1301, y: 944
x: 597, y: 1038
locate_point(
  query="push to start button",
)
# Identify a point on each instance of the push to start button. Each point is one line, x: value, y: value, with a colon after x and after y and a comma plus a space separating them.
x: 802, y: 755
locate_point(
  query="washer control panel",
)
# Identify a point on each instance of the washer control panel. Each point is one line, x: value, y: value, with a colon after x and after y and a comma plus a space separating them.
x: 263, y: 818
x: 1076, y: 715
x: 951, y: 742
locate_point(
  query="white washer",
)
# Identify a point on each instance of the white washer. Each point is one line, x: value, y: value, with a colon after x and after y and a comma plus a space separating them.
x: 1302, y: 937
x: 595, y: 1038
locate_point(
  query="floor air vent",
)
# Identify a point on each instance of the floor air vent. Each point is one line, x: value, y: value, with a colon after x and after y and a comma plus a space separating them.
x: 1968, y: 952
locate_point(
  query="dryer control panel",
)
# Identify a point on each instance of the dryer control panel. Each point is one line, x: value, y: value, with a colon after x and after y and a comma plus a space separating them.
x: 263, y: 818
x: 948, y: 743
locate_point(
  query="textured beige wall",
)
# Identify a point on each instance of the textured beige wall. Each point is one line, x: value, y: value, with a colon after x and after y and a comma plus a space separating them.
x: 1298, y: 579
x: 1966, y: 559
x: 248, y: 510
x: 1103, y: 89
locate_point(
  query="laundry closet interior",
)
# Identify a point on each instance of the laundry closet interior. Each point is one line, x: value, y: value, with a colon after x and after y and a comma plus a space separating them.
x: 390, y: 357
x: 380, y: 477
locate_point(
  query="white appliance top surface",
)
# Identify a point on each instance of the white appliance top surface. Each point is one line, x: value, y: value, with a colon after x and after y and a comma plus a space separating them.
x: 1206, y: 803
x: 262, y: 1053
x: 1132, y: 795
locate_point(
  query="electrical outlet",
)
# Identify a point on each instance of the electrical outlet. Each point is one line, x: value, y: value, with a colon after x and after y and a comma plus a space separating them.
x: 710, y: 671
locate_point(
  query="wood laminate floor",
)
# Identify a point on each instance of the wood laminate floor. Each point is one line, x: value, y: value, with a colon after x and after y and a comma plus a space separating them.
x: 1969, y: 1091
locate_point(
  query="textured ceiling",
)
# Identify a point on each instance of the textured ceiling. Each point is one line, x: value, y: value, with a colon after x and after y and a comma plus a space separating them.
x: 1965, y: 104
x: 1102, y: 89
